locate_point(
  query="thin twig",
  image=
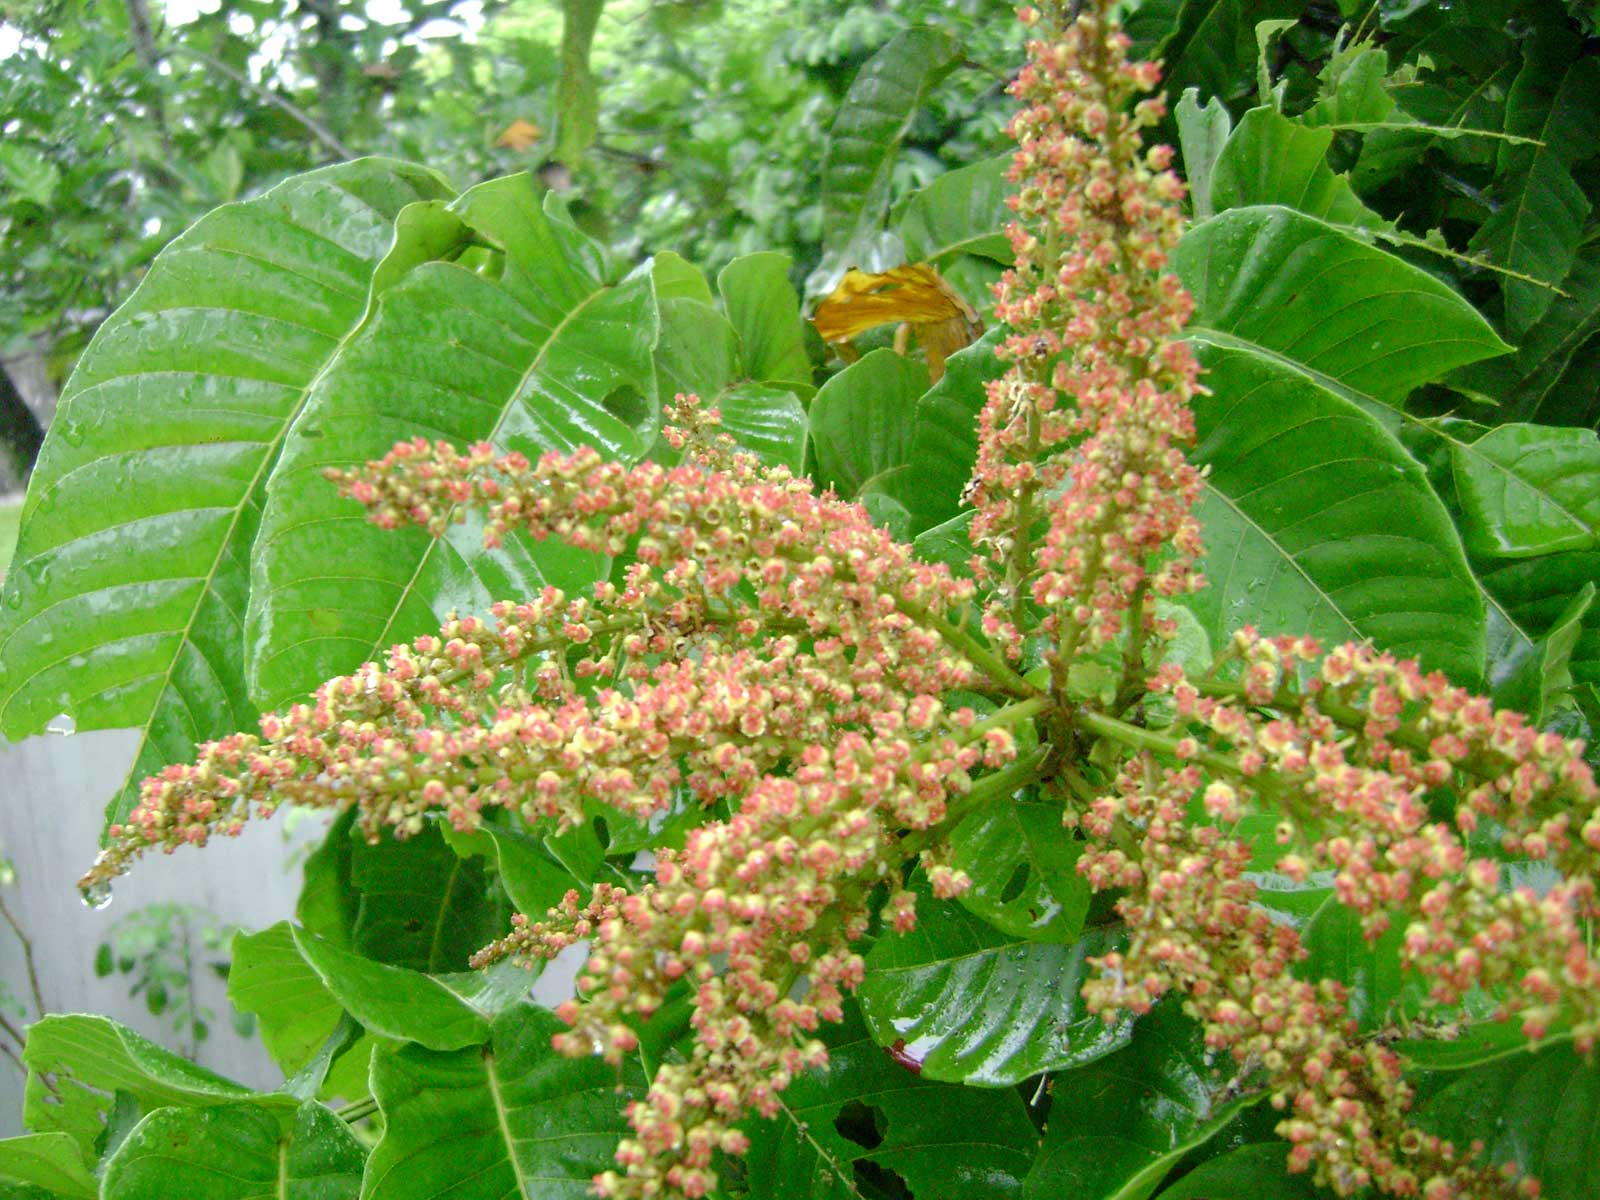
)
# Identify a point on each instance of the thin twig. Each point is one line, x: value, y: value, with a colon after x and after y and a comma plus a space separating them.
x: 27, y: 955
x: 316, y: 128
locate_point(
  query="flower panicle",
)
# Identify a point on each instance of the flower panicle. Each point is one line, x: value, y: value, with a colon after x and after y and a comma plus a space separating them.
x: 1094, y: 410
x: 756, y: 915
x: 1345, y: 762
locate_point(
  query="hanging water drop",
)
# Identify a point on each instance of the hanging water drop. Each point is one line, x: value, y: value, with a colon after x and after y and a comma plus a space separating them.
x: 98, y: 894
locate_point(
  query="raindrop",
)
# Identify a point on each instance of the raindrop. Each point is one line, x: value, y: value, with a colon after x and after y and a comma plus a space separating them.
x: 97, y: 895
x: 63, y: 726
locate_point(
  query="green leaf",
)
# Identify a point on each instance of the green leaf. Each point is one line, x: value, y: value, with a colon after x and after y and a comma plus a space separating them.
x: 1353, y: 89
x: 1537, y: 682
x: 866, y: 134
x: 393, y: 1001
x: 1552, y: 379
x: 328, y: 903
x: 1317, y: 521
x: 243, y: 1152
x: 33, y: 176
x: 422, y: 906
x: 294, y: 1010
x: 1118, y: 1126
x: 1024, y: 873
x: 508, y: 1118
x: 1259, y: 1170
x: 1379, y: 992
x: 1213, y: 47
x: 534, y: 878
x: 88, y: 1058
x: 944, y: 434
x: 1270, y: 159
x: 949, y: 543
x: 1540, y: 219
x: 768, y: 421
x: 48, y: 1160
x: 961, y: 212
x: 1540, y: 1111
x: 551, y: 354
x: 975, y: 1006
x: 698, y: 350
x: 1295, y: 291
x: 1528, y: 490
x: 1203, y: 131
x: 676, y: 278
x: 1537, y: 593
x: 861, y: 419
x: 867, y: 1115
x: 764, y: 308
x: 122, y: 604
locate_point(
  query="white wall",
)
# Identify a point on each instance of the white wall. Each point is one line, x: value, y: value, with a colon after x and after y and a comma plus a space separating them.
x: 53, y: 790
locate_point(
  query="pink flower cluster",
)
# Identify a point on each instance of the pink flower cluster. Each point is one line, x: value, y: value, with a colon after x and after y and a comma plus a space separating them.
x: 1085, y: 432
x: 1348, y: 761
x: 755, y: 918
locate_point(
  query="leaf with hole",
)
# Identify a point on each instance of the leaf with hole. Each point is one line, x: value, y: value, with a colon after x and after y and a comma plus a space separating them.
x: 866, y: 1122
x: 1024, y: 873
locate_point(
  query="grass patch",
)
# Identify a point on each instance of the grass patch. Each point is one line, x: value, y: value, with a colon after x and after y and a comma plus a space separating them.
x: 10, y: 518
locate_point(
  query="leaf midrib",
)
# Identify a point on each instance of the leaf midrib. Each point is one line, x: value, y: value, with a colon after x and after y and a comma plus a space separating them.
x: 409, y: 589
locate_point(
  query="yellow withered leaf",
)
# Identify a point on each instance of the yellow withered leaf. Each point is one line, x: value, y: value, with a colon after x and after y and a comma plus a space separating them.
x: 914, y: 295
x: 519, y: 135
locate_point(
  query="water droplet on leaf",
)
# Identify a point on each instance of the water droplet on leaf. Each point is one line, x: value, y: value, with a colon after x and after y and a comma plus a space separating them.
x: 98, y: 895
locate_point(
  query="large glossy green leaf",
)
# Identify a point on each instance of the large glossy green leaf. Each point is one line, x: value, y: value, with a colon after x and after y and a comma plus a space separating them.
x: 1288, y: 288
x: 700, y: 352
x: 961, y: 212
x: 867, y: 1117
x: 976, y: 1006
x: 508, y: 1118
x: 441, y: 1012
x: 534, y: 878
x: 1317, y: 521
x: 861, y: 419
x: 866, y: 134
x: 944, y: 434
x: 1540, y: 1111
x: 1552, y: 379
x: 1213, y: 46
x: 1023, y: 865
x: 1260, y: 1170
x: 1539, y: 222
x: 422, y: 906
x: 551, y: 353
x: 294, y: 1009
x: 1203, y: 130
x: 123, y: 605
x: 1529, y: 490
x: 1540, y: 681
x: 764, y: 308
x: 1118, y: 1126
x: 52, y: 1161
x: 75, y: 1063
x: 1537, y: 593
x: 1270, y: 159
x: 242, y: 1152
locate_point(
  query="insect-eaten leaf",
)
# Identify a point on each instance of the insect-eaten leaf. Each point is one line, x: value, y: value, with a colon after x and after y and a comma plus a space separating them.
x: 915, y: 296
